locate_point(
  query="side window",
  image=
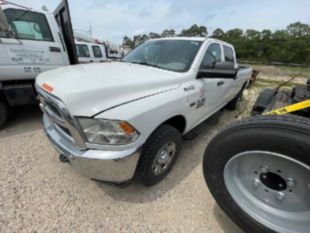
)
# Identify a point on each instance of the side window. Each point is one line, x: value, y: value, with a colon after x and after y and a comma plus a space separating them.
x: 97, y: 51
x: 212, y: 55
x: 82, y: 50
x: 229, y: 54
x: 28, y: 25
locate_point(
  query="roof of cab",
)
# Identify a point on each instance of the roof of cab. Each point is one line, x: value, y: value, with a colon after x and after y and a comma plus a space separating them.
x: 194, y: 39
x: 182, y: 38
x: 5, y: 6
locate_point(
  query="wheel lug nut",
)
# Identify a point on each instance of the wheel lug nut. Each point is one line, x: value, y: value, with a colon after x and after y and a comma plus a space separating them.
x: 280, y: 196
x: 256, y: 182
x: 291, y: 182
x: 264, y: 169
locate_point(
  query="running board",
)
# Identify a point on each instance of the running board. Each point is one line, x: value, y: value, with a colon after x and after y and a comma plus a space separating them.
x: 202, y: 126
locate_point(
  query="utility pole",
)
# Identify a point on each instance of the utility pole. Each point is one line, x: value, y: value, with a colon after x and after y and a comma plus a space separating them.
x: 90, y: 29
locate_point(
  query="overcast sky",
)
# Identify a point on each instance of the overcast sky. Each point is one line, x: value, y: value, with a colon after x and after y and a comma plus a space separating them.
x: 113, y: 19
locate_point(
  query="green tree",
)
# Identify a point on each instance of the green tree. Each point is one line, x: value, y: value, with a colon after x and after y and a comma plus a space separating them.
x: 290, y: 45
x: 298, y: 29
x: 194, y: 30
x: 128, y: 42
x: 234, y: 33
x: 139, y: 39
x: 218, y: 34
x: 168, y: 33
x: 252, y: 34
x: 153, y: 35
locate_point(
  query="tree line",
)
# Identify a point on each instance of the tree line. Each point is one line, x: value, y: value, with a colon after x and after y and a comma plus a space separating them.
x: 289, y: 45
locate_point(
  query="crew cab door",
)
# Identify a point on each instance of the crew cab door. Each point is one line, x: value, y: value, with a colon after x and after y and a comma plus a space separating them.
x: 31, y: 47
x: 214, y: 88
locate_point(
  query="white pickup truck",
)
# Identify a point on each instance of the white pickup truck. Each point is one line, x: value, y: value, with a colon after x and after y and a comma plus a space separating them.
x: 118, y: 120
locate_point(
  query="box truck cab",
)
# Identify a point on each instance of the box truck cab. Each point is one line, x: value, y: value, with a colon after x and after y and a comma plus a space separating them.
x: 31, y: 42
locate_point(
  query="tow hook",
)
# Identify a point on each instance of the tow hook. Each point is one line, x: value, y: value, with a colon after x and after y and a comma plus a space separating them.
x: 63, y: 158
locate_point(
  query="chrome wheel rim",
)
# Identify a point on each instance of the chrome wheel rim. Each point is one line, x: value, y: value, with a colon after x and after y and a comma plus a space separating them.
x: 272, y: 188
x: 163, y: 158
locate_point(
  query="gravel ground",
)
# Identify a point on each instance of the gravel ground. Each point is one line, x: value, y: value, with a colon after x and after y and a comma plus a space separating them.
x: 40, y: 194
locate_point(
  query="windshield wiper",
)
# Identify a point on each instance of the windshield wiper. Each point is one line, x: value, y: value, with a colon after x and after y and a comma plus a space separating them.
x: 146, y: 64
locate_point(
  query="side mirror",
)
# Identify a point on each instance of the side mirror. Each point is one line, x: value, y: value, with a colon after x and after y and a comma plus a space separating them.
x: 4, y: 26
x: 219, y: 70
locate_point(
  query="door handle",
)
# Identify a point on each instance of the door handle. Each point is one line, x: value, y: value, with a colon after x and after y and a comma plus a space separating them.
x: 220, y: 83
x: 55, y: 49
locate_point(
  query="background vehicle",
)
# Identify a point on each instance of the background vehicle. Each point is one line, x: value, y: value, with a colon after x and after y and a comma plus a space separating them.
x: 31, y: 42
x: 90, y: 52
x: 258, y: 171
x: 114, y: 120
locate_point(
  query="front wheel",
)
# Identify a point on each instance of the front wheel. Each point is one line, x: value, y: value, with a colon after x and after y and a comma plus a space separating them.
x: 159, y: 155
x: 259, y: 173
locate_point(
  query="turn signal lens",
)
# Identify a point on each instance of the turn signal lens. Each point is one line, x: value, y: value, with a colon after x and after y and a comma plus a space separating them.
x: 47, y: 87
x: 128, y: 129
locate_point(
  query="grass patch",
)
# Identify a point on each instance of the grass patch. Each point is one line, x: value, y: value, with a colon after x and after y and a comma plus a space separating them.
x: 273, y: 83
x: 288, y: 71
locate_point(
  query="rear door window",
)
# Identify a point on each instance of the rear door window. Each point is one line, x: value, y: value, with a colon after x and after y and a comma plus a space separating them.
x: 212, y: 55
x: 28, y: 25
x: 229, y: 54
x: 82, y: 50
x: 96, y: 51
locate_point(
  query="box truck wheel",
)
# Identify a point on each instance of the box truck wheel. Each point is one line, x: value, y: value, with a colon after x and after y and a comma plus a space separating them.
x: 258, y: 171
x: 3, y: 113
x: 159, y: 154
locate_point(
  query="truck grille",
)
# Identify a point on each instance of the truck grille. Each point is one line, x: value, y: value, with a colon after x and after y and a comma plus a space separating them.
x: 60, y: 118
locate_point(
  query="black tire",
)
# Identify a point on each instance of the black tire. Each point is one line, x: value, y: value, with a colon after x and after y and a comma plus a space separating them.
x: 288, y: 135
x: 3, y: 113
x: 233, y: 104
x: 162, y: 135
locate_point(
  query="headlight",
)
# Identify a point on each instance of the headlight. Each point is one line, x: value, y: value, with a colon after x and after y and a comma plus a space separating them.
x: 108, y: 132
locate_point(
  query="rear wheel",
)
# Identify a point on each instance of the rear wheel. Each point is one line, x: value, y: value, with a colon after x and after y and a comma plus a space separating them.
x: 3, y: 113
x: 259, y: 173
x: 159, y: 155
x: 233, y: 104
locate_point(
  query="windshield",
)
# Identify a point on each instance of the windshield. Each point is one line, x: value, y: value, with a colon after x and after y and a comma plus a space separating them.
x: 175, y: 55
x: 28, y: 25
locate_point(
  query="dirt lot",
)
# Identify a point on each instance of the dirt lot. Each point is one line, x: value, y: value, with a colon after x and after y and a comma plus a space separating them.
x: 40, y: 194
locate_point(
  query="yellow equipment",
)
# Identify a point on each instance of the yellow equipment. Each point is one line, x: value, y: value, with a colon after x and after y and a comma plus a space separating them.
x: 290, y: 108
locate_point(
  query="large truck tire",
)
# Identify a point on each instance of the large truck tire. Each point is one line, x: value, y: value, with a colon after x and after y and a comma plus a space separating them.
x: 159, y: 155
x: 258, y: 171
x: 3, y: 113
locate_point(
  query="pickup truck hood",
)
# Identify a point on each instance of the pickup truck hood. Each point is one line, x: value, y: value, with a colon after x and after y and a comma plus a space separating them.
x: 89, y: 89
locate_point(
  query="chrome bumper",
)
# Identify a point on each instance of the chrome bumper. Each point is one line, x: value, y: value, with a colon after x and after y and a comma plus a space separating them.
x: 111, y: 166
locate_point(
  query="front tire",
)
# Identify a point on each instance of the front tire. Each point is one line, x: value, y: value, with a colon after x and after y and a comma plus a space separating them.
x: 258, y: 171
x: 159, y: 155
